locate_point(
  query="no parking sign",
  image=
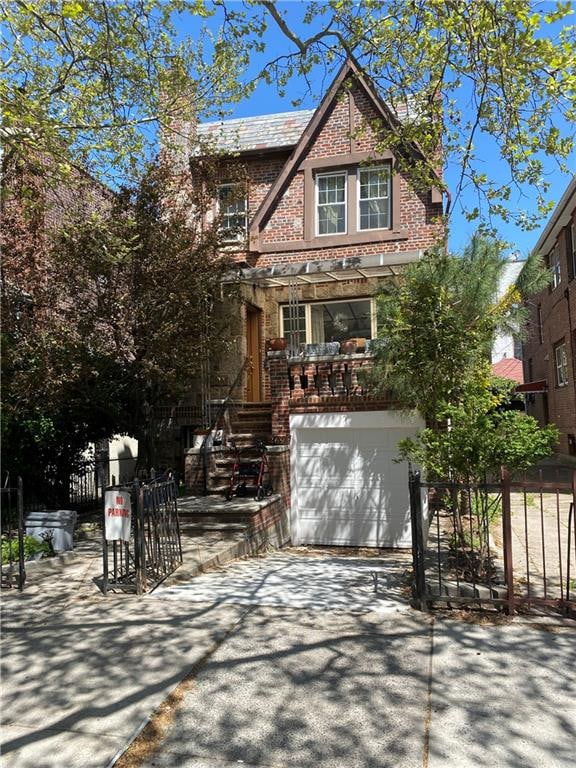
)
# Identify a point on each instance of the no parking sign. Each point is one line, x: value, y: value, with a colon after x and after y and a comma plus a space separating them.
x: 117, y: 515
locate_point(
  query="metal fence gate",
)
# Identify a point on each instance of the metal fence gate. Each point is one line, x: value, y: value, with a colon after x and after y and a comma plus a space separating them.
x: 154, y: 550
x: 508, y: 544
x: 13, y: 565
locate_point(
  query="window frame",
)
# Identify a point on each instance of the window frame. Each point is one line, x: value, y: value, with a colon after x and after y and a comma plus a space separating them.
x: 367, y: 169
x: 241, y: 235
x: 561, y: 365
x: 554, y: 265
x: 317, y: 177
x: 340, y: 300
x: 571, y: 249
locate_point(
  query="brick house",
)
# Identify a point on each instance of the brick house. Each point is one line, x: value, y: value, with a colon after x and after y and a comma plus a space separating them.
x: 321, y: 218
x: 550, y: 352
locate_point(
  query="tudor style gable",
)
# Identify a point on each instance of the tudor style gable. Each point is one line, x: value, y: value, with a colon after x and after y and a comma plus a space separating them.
x: 338, y: 189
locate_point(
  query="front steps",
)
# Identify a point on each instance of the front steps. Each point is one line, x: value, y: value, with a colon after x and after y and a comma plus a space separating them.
x: 226, y: 530
x: 250, y: 423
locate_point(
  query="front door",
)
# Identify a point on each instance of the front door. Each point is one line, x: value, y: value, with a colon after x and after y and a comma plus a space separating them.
x: 254, y: 381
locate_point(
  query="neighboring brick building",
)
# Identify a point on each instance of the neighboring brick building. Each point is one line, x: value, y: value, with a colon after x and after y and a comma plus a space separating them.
x: 550, y: 353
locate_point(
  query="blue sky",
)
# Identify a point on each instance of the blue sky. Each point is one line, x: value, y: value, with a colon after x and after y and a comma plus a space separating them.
x: 266, y: 99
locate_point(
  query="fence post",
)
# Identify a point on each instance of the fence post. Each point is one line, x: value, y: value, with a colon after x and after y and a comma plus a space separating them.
x: 571, y: 529
x: 140, y: 542
x: 507, y: 538
x: 417, y: 538
x: 21, y: 565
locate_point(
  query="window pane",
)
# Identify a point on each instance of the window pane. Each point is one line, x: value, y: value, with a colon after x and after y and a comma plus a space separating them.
x: 374, y: 203
x: 294, y: 323
x: 373, y: 214
x: 331, y: 189
x: 331, y: 219
x: 331, y: 208
x: 338, y: 321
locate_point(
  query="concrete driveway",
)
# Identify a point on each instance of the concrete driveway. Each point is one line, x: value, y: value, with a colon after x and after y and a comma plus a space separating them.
x: 322, y: 670
x: 311, y: 581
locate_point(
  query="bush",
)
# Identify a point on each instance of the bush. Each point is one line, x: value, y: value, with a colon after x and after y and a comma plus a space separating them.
x: 31, y: 547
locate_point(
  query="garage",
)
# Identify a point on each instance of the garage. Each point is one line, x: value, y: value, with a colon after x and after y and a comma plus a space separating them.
x: 347, y: 487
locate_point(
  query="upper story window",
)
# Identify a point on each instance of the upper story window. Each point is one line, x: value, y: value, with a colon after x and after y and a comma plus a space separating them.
x: 374, y: 198
x: 233, y: 209
x: 571, y: 250
x: 540, y: 324
x: 554, y: 262
x: 331, y: 203
x: 353, y: 201
x: 561, y: 364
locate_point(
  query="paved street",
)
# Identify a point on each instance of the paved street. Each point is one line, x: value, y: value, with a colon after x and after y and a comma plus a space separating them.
x: 291, y: 659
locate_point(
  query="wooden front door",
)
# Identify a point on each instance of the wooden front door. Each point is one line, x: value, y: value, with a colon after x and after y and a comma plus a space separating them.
x: 254, y: 381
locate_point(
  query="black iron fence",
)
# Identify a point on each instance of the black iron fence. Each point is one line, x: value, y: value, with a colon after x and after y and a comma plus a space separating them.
x: 83, y: 488
x: 12, y: 516
x: 153, y: 549
x: 508, y: 544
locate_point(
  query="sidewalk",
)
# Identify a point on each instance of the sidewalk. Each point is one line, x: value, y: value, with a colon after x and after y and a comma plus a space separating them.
x: 80, y: 671
x: 274, y: 684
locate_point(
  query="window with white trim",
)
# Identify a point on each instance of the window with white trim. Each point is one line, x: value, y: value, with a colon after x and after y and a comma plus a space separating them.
x: 331, y: 203
x: 319, y: 322
x: 554, y: 261
x: 233, y: 209
x: 374, y: 198
x: 561, y: 364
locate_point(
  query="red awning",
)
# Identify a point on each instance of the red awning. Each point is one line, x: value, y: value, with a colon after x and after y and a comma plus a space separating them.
x: 532, y: 387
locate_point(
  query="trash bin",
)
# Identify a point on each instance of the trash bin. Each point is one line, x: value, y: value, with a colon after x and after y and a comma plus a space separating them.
x: 60, y: 522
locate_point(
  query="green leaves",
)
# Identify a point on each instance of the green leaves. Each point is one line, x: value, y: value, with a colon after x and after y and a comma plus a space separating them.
x: 439, y: 321
x: 84, y: 81
x: 498, y: 77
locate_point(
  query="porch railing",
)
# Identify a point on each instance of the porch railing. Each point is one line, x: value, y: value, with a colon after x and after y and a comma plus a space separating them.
x: 328, y: 375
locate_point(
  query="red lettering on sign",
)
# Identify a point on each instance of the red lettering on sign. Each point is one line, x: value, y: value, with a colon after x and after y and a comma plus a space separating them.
x: 119, y: 500
x: 118, y: 512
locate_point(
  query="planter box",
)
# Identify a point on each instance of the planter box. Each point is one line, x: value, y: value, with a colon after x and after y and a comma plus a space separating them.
x: 327, y: 348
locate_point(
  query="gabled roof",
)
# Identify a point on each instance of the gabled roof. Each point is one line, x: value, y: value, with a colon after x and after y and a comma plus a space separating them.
x: 350, y: 69
x: 245, y: 134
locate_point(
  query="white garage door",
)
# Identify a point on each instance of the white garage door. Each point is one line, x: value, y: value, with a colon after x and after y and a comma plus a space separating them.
x: 347, y: 488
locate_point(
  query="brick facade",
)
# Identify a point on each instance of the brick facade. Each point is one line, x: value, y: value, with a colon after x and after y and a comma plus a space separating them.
x: 344, y: 134
x: 318, y: 385
x: 552, y: 325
